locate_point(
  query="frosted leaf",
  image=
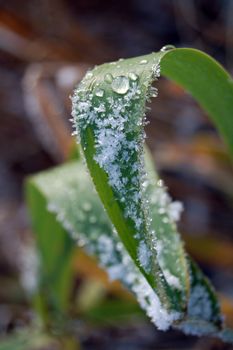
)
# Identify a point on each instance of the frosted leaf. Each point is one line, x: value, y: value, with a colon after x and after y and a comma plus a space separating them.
x: 98, y: 238
x: 203, y: 313
x: 199, y: 303
x: 115, y: 123
x: 68, y: 190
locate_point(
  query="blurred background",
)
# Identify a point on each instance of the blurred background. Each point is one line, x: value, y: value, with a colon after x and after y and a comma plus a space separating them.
x: 45, y: 48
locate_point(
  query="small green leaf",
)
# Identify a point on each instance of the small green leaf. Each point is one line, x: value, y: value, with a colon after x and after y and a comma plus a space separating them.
x: 208, y: 83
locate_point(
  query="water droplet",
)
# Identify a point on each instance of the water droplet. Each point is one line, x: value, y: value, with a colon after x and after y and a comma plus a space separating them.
x: 108, y: 78
x: 120, y: 84
x: 143, y: 61
x: 133, y: 76
x: 167, y: 48
x: 99, y: 92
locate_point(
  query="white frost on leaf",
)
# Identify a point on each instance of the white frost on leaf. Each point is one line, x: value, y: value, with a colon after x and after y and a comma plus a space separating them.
x: 171, y: 279
x: 116, y: 118
x: 144, y: 255
x: 106, y: 247
x: 174, y: 210
x: 119, y: 136
x: 200, y: 305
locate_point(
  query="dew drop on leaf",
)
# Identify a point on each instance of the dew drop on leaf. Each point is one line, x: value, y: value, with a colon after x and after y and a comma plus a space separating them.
x: 108, y: 78
x: 133, y: 76
x: 99, y: 92
x: 167, y: 48
x: 143, y: 61
x: 120, y: 84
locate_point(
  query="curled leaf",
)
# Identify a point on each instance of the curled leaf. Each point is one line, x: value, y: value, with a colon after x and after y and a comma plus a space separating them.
x: 109, y: 114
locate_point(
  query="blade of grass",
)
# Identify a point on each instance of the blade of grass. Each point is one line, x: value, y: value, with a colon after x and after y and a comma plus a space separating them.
x: 108, y: 108
x: 208, y: 83
x: 55, y: 251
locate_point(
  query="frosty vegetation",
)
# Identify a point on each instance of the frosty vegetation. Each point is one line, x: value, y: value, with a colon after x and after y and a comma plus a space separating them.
x: 135, y: 238
x: 109, y: 105
x: 90, y: 227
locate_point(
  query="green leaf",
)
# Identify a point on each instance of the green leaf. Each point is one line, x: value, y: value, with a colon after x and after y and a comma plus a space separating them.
x: 113, y: 312
x: 108, y: 108
x: 208, y: 83
x: 55, y: 251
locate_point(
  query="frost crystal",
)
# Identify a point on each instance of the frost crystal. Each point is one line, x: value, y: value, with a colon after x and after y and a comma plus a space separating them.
x: 171, y: 279
x: 200, y: 304
x: 144, y: 255
x: 174, y: 210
